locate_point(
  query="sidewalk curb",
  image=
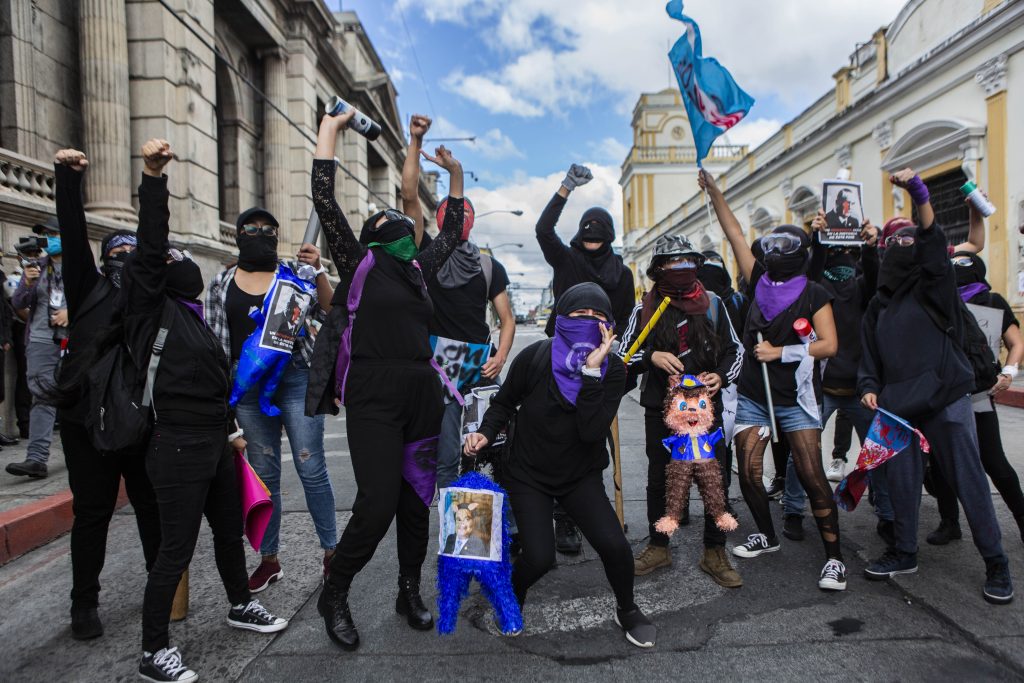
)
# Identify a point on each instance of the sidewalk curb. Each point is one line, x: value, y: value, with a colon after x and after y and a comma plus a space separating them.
x: 1013, y: 397
x: 31, y: 525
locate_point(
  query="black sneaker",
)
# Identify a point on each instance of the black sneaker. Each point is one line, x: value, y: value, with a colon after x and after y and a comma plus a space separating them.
x: 165, y: 665
x: 777, y: 488
x: 948, y: 530
x: 998, y: 586
x: 756, y: 544
x: 886, y: 529
x: 638, y: 628
x: 85, y: 623
x: 27, y: 468
x: 891, y: 563
x: 568, y: 540
x: 8, y: 440
x: 833, y: 576
x: 255, y: 617
x: 793, y: 527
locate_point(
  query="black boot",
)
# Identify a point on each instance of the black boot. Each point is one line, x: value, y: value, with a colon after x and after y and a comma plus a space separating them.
x: 568, y: 539
x: 333, y: 607
x: 410, y: 605
x: 948, y: 530
x: 85, y: 623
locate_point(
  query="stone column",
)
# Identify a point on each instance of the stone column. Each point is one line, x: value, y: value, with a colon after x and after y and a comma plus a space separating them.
x: 275, y: 143
x: 103, y: 46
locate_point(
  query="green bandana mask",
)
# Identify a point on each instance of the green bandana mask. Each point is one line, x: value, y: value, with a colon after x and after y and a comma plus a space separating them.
x: 403, y: 249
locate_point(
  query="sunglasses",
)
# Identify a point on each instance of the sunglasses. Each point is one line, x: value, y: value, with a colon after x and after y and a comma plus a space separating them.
x: 253, y: 230
x: 963, y: 261
x: 179, y: 254
x: 899, y: 241
x: 782, y: 243
x: 393, y: 215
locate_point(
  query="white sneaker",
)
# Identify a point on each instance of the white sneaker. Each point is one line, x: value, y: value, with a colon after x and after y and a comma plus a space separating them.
x: 833, y: 576
x: 756, y: 544
x: 837, y: 470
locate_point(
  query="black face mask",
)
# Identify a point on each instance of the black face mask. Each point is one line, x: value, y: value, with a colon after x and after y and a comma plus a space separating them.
x: 715, y: 278
x: 257, y: 253
x: 113, y: 267
x: 898, y: 269
x: 184, y: 280
x: 782, y: 267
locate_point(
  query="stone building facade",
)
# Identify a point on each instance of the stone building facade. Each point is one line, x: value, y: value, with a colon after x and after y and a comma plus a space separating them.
x: 106, y: 75
x: 940, y: 89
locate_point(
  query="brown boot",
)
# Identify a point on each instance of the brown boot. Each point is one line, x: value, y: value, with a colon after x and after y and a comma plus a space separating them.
x: 653, y: 557
x: 715, y: 562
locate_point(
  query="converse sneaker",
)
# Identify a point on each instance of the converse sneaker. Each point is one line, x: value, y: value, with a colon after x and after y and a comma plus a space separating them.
x: 267, y: 573
x: 755, y: 545
x: 165, y: 665
x: 891, y: 563
x: 777, y: 488
x: 833, y: 576
x: 836, y: 470
x: 638, y: 628
x: 998, y: 586
x: 255, y: 617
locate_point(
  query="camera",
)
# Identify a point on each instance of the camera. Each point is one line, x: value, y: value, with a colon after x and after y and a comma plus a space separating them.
x: 29, y: 247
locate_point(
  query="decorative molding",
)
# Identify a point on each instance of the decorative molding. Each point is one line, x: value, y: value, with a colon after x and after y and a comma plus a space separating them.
x: 844, y: 155
x: 932, y: 143
x: 786, y: 187
x: 992, y: 75
x: 882, y: 134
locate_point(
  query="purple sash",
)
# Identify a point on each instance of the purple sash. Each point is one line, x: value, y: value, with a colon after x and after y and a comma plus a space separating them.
x: 355, y: 294
x: 419, y: 467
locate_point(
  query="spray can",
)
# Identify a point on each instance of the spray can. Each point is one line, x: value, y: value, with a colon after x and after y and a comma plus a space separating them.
x: 803, y: 329
x: 361, y: 123
x: 978, y: 200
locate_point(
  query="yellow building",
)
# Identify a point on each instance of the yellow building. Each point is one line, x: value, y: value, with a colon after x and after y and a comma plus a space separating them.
x: 940, y: 89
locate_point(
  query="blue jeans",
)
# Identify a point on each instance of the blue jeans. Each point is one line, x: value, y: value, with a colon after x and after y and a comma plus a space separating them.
x: 794, y: 499
x: 306, y: 437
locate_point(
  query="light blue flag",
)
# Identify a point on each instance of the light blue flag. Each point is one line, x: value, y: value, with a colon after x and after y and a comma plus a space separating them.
x: 714, y: 103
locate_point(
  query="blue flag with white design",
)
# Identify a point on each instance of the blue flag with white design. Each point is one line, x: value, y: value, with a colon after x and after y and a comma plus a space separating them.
x: 714, y: 103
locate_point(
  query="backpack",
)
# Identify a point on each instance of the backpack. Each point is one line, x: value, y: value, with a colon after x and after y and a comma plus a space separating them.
x: 120, y: 394
x: 969, y: 338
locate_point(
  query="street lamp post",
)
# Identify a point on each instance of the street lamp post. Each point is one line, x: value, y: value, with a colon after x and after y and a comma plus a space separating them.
x: 514, y: 212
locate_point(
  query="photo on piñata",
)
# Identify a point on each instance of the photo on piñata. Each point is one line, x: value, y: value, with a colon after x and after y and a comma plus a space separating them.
x: 470, y: 523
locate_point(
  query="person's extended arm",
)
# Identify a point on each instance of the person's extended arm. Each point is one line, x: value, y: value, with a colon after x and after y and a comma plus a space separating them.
x: 819, y: 251
x: 148, y: 268
x: 434, y: 256
x: 918, y: 191
x: 976, y: 233
x: 502, y: 304
x: 309, y: 254
x: 551, y: 245
x: 730, y: 226
x: 826, y: 345
x: 418, y: 127
x: 78, y: 266
x: 869, y: 262
x: 346, y: 252
x: 869, y: 381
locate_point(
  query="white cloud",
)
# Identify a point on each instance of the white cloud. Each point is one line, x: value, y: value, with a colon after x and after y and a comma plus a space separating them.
x: 752, y: 132
x: 610, y: 150
x: 493, y: 144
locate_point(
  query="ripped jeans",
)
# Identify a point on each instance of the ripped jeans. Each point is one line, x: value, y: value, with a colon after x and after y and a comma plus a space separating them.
x: 306, y: 437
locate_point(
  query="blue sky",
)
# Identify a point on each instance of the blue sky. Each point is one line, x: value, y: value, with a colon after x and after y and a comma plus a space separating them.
x: 544, y: 83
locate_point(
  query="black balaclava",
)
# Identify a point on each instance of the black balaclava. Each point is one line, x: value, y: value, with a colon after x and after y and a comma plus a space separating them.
x: 388, y: 232
x: 782, y: 267
x: 714, y: 277
x: 112, y: 266
x: 899, y: 270
x: 184, y: 280
x: 257, y: 253
x: 603, y: 266
x: 585, y: 295
x: 840, y: 264
x: 968, y: 275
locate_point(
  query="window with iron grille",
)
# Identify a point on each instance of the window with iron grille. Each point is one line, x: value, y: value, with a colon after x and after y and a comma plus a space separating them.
x: 951, y: 212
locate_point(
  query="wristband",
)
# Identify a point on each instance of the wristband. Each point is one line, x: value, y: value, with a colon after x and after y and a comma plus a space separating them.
x: 235, y: 435
x: 918, y: 191
x: 794, y: 353
x: 320, y: 271
x: 592, y: 372
x: 1009, y: 370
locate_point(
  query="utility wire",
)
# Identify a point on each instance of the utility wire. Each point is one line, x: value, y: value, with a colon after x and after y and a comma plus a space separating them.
x: 219, y: 55
x: 416, y: 59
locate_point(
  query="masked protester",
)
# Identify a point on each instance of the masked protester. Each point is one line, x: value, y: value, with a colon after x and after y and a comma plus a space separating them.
x: 565, y: 399
x: 781, y: 295
x: 232, y: 295
x: 975, y: 291
x: 913, y: 367
x: 587, y: 258
x: 694, y: 336
x: 373, y: 354
x: 850, y: 275
x: 189, y: 458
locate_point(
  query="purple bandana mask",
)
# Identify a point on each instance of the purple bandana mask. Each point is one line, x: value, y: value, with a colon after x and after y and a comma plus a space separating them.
x: 575, y: 339
x: 775, y: 297
x: 968, y: 292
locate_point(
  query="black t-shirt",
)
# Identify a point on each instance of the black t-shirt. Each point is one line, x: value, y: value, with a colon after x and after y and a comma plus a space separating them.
x: 461, y: 313
x: 237, y: 306
x: 781, y: 376
x: 393, y: 316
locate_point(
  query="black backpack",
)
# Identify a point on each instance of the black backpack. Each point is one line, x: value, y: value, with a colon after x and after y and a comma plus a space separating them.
x: 969, y: 337
x: 120, y: 393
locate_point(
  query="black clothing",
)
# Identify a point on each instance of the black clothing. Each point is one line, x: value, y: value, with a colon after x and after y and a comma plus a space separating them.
x: 22, y: 394
x: 778, y: 332
x: 834, y: 220
x: 461, y: 313
x: 572, y: 265
x: 257, y: 253
x: 193, y: 474
x: 237, y: 305
x: 95, y: 480
x: 556, y: 445
x: 584, y: 295
x: 915, y: 368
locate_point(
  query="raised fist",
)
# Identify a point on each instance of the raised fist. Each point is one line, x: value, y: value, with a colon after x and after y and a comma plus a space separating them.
x: 156, y: 153
x: 577, y: 176
x: 72, y: 158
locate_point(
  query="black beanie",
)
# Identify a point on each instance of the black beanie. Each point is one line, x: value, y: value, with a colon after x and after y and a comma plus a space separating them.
x: 585, y: 295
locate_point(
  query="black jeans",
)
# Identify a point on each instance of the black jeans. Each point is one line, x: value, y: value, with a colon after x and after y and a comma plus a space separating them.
x: 193, y: 474
x: 657, y: 460
x: 22, y: 395
x: 95, y: 480
x: 588, y: 505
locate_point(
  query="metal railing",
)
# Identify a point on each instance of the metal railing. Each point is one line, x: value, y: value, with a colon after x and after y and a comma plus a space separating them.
x: 25, y: 176
x: 684, y: 154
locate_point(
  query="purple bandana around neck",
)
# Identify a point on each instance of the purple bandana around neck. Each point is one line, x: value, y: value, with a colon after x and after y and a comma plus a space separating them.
x: 419, y: 467
x: 968, y: 292
x: 194, y: 306
x: 574, y: 339
x: 775, y: 297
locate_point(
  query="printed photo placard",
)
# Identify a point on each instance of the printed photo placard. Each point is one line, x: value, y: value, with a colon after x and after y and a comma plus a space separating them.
x: 285, y: 315
x: 471, y: 523
x: 844, y: 212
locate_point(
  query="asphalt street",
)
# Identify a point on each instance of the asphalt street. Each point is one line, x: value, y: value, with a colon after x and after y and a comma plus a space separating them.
x: 778, y: 626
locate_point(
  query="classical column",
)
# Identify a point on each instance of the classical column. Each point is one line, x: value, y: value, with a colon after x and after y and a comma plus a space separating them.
x: 275, y: 142
x: 103, y: 45
x: 992, y: 78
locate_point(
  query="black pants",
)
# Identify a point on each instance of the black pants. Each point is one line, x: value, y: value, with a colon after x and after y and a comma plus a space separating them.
x: 657, y: 459
x: 22, y: 395
x: 95, y: 480
x: 843, y: 440
x: 588, y: 505
x: 193, y: 474
x: 387, y: 406
x: 993, y: 459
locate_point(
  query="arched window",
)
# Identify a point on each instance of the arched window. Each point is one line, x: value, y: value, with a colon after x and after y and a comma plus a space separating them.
x: 764, y: 219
